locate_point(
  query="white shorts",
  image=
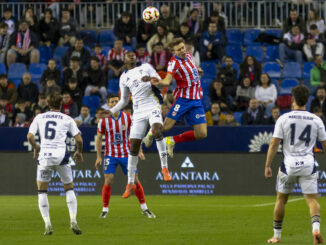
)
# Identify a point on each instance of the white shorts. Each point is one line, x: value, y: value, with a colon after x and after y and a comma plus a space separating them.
x: 141, y: 118
x: 44, y: 173
x: 285, y: 183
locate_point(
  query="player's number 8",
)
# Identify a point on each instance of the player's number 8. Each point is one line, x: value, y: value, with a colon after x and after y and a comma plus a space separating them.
x: 177, y: 107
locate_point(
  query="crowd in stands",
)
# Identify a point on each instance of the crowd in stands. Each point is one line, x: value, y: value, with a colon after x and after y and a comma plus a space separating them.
x: 237, y: 91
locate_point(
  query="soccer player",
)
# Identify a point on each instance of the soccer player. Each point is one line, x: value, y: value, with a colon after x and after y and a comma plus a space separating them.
x: 116, y: 129
x: 188, y: 94
x: 52, y: 155
x: 299, y: 130
x: 147, y: 109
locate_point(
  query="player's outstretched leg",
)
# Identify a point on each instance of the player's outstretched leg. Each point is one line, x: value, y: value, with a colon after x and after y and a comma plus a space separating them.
x: 172, y: 140
x: 139, y: 192
x: 72, y: 207
x: 132, y: 166
x: 43, y: 204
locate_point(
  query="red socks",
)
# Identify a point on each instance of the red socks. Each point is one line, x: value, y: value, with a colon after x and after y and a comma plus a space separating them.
x: 106, y: 194
x: 139, y: 192
x: 186, y: 136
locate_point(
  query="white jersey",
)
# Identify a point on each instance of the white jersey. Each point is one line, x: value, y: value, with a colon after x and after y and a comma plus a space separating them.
x: 299, y: 131
x: 53, y: 127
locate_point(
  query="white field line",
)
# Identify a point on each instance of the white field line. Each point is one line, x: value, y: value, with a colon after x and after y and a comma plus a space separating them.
x: 273, y: 203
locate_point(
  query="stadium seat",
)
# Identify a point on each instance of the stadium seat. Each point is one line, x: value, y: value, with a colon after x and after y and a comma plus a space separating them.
x: 93, y: 102
x: 105, y: 50
x: 256, y: 51
x: 209, y: 68
x: 234, y: 36
x: 235, y: 51
x: 206, y: 103
x: 274, y: 32
x: 249, y: 36
x: 127, y: 47
x: 205, y: 83
x: 235, y: 66
x: 113, y: 86
x: 36, y: 71
x: 16, y: 72
x: 272, y: 53
x: 292, y: 70
x: 3, y: 69
x: 107, y: 38
x: 312, y: 89
x: 88, y: 49
x: 306, y: 69
x: 309, y: 102
x: 58, y: 53
x: 45, y: 54
x: 90, y: 37
x: 275, y: 82
x: 272, y: 69
x: 287, y: 85
x: 237, y: 116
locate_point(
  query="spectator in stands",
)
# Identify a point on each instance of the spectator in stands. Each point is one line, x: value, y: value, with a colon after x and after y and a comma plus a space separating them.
x: 4, y: 41
x: 318, y: 112
x: 9, y: 20
x: 215, y: 18
x: 266, y: 93
x: 84, y: 119
x: 22, y: 107
x: 51, y: 71
x: 20, y: 120
x: 77, y: 51
x: 293, y: 20
x: 193, y: 51
x: 168, y: 98
x: 75, y: 92
x: 319, y: 100
x: 116, y: 59
x: 4, y: 119
x: 74, y: 71
x: 251, y: 68
x: 98, y: 52
x: 23, y: 44
x: 95, y: 80
x: 186, y: 34
x: 30, y: 17
x: 48, y: 29
x: 145, y: 31
x: 162, y: 35
x: 27, y: 90
x: 68, y: 106
x: 67, y: 29
x: 160, y: 57
x: 291, y: 48
x: 8, y: 90
x: 229, y: 120
x: 42, y: 103
x: 217, y: 94
x: 254, y: 115
x: 212, y: 43
x: 271, y: 120
x: 142, y: 55
x: 167, y: 19
x: 245, y: 92
x: 214, y: 115
x: 124, y: 29
x: 98, y: 116
x: 313, y: 45
x: 36, y: 111
x: 228, y: 76
x: 195, y: 23
x: 50, y: 87
x: 318, y: 72
x: 313, y: 18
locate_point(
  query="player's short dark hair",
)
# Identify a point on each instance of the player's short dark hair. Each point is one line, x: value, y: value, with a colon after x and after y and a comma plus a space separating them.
x: 175, y: 42
x: 54, y: 101
x: 300, y: 94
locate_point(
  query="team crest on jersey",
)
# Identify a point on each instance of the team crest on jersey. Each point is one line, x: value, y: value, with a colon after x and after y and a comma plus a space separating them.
x: 174, y: 114
x: 117, y: 137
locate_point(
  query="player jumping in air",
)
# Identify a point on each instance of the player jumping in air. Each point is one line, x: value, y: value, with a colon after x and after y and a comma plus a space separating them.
x: 187, y: 94
x: 52, y: 127
x: 116, y: 129
x: 147, y: 109
x: 299, y: 130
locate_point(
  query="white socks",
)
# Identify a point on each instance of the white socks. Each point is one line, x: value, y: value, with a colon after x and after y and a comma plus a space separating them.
x: 72, y: 205
x: 161, y: 147
x: 277, y: 233
x: 132, y: 166
x: 143, y: 206
x: 43, y: 204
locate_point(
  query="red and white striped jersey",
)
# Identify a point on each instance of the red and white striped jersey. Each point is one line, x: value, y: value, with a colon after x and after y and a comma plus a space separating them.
x: 185, y: 72
x: 113, y: 55
x: 117, y: 143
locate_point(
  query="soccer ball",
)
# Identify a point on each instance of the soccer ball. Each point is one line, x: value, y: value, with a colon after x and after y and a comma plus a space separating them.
x: 151, y: 15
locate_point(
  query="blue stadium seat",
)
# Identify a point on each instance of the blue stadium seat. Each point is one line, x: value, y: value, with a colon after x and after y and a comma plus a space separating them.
x: 249, y: 36
x: 16, y: 72
x: 272, y: 53
x: 36, y: 71
x: 105, y: 50
x: 205, y: 83
x: 209, y: 68
x: 309, y: 102
x: 113, y: 86
x: 107, y: 38
x: 3, y: 69
x: 58, y: 53
x: 93, y: 102
x: 272, y: 69
x: 274, y: 32
x: 275, y: 82
x: 206, y: 103
x: 256, y: 51
x: 312, y: 89
x: 235, y: 51
x: 234, y: 36
x: 235, y: 66
x: 292, y: 70
x: 45, y: 54
x: 287, y: 85
x: 306, y: 69
x: 90, y: 37
x: 237, y: 116
x: 128, y: 47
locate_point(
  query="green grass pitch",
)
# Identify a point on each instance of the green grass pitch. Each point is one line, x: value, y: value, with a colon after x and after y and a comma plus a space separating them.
x: 180, y: 220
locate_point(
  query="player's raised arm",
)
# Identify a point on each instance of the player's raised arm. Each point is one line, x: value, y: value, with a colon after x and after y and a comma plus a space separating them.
x: 272, y: 150
x: 98, y: 145
x: 124, y: 100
